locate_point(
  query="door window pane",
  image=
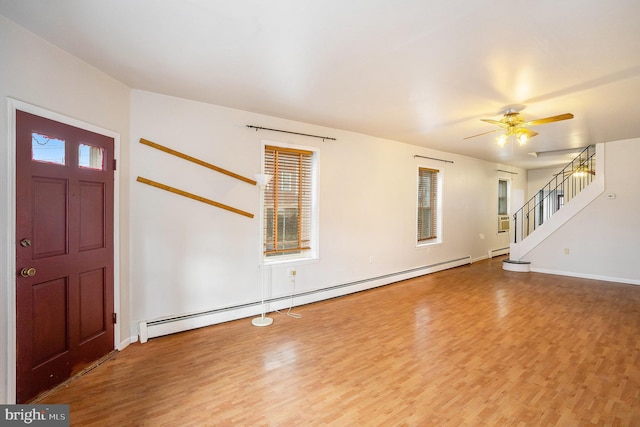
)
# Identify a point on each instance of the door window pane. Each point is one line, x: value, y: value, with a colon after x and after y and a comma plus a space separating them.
x: 90, y: 157
x: 47, y: 149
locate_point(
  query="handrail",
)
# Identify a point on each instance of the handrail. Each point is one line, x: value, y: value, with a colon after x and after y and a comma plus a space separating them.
x: 565, y: 185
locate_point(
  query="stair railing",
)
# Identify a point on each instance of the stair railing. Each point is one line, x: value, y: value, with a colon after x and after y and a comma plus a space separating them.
x: 563, y: 187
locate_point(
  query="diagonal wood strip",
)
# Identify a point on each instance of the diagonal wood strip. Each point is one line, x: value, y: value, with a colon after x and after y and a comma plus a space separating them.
x: 192, y: 196
x: 196, y: 161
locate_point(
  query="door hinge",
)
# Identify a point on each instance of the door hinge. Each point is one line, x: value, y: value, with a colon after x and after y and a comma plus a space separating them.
x: 115, y: 164
x: 115, y: 318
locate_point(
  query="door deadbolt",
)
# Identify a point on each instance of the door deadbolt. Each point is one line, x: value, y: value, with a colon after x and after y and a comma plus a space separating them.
x: 25, y: 243
x: 28, y: 272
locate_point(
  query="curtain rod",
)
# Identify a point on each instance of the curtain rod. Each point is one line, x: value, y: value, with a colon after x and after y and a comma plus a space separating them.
x: 513, y: 173
x: 257, y: 128
x: 432, y: 158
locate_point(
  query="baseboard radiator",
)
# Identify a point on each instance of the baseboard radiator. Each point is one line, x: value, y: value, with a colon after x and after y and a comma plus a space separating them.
x: 498, y: 252
x: 170, y: 325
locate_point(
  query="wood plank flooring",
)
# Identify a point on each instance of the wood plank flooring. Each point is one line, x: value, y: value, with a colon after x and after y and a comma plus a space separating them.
x: 470, y: 346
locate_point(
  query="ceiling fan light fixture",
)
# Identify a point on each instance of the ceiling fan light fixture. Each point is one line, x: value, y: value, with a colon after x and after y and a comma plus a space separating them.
x: 580, y: 171
x: 522, y: 138
x: 516, y: 128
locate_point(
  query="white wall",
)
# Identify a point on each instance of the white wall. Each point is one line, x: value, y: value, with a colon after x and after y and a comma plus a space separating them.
x: 35, y: 72
x: 539, y: 178
x: 191, y: 257
x: 604, y: 238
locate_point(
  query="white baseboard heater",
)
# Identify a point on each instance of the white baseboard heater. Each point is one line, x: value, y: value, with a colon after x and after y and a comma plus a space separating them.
x: 498, y: 252
x: 174, y: 324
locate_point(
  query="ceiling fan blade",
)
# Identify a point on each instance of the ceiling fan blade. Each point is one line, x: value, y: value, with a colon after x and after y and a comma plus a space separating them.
x: 552, y: 119
x: 529, y: 132
x: 496, y: 122
x: 484, y: 133
x: 579, y: 169
x: 565, y: 173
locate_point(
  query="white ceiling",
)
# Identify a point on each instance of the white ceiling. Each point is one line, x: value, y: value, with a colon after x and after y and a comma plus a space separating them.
x: 419, y: 71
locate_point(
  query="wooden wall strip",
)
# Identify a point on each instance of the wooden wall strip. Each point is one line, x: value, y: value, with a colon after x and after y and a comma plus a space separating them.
x: 196, y: 161
x: 192, y: 196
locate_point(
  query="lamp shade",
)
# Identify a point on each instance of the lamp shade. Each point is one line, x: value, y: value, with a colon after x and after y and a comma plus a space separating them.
x: 263, y: 178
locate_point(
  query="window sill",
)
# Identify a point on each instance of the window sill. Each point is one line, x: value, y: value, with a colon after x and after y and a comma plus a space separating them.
x: 284, y: 260
x: 427, y: 244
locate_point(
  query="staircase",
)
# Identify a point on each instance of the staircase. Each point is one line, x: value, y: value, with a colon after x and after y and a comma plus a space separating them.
x: 554, y: 204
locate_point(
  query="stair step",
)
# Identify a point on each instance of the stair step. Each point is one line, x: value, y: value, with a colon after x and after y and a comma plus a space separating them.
x: 514, y: 265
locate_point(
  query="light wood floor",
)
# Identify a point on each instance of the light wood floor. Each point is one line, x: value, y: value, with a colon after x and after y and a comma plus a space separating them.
x: 473, y: 346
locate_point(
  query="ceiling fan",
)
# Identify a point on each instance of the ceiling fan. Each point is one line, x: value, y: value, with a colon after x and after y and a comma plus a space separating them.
x: 579, y: 171
x: 515, y: 126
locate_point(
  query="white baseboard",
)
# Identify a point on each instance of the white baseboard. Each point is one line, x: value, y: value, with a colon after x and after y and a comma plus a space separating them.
x: 480, y: 258
x: 124, y: 344
x: 587, y: 276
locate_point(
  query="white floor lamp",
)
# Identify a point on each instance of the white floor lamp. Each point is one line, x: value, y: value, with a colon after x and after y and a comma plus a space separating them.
x: 262, y: 180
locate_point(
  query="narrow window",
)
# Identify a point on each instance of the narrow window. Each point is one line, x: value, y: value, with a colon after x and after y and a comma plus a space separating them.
x: 427, y: 205
x: 288, y: 202
x: 503, y: 206
x: 503, y: 201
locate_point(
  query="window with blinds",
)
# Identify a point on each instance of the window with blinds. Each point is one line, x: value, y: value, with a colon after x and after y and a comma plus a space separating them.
x: 427, y: 204
x: 287, y: 201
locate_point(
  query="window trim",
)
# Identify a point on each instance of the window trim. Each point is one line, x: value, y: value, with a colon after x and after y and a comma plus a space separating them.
x: 438, y: 239
x: 506, y: 196
x: 313, y: 252
x: 507, y: 204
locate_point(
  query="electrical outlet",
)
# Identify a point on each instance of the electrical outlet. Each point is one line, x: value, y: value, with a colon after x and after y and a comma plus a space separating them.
x: 566, y: 251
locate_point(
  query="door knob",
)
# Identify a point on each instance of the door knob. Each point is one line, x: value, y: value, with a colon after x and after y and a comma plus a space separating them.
x: 28, y: 272
x: 25, y: 243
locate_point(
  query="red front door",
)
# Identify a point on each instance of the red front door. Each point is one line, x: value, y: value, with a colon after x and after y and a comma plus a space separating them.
x: 64, y: 251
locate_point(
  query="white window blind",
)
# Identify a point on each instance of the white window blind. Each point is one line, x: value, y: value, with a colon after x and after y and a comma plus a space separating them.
x: 427, y: 204
x: 287, y: 200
